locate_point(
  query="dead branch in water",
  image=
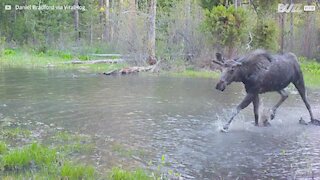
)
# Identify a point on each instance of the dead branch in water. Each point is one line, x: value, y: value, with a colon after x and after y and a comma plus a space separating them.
x: 102, y: 61
x: 134, y: 69
x: 129, y: 70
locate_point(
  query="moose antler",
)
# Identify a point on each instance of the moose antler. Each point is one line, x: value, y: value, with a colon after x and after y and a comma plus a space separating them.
x: 219, y: 57
x: 217, y: 62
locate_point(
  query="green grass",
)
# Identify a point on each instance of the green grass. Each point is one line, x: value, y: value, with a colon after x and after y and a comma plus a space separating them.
x: 36, y: 160
x: 71, y: 171
x: 70, y: 143
x: 121, y: 150
x: 311, y: 71
x: 121, y: 174
x: 13, y: 133
x: 195, y: 74
x: 50, y: 59
x: 3, y: 147
x: 32, y: 155
x: 58, y: 159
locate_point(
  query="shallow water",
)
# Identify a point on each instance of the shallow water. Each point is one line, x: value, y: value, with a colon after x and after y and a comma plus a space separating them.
x: 175, y: 117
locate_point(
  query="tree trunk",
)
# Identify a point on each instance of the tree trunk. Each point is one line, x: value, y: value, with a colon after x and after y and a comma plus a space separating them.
x: 91, y: 31
x: 111, y: 20
x: 106, y: 20
x: 132, y: 25
x: 187, y: 34
x: 152, y: 33
x: 76, y: 22
x: 291, y: 30
x: 282, y: 20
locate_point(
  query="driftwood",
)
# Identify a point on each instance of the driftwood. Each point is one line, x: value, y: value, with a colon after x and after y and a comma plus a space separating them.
x: 134, y: 69
x: 102, y: 61
x: 129, y: 70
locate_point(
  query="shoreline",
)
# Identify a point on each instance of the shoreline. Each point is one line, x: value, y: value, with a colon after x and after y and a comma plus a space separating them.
x: 63, y: 61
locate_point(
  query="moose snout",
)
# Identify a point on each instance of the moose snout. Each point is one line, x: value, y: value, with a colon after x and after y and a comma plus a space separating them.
x: 221, y: 85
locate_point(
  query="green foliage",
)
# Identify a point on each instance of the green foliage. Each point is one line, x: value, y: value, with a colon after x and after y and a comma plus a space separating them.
x: 265, y: 35
x: 310, y: 66
x: 3, y: 147
x: 84, y: 57
x: 32, y: 155
x: 71, y: 171
x: 66, y: 56
x: 196, y: 74
x: 227, y: 25
x: 311, y: 71
x: 209, y: 4
x: 72, y: 143
x: 264, y: 7
x: 120, y: 174
x: 8, y: 52
x: 12, y: 133
x: 2, y: 45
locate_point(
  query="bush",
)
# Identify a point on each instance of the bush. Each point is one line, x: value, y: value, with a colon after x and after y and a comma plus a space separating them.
x: 9, y: 52
x: 227, y: 25
x: 84, y: 57
x: 266, y: 35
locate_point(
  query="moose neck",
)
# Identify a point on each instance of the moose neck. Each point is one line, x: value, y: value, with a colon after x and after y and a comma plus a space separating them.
x: 242, y: 74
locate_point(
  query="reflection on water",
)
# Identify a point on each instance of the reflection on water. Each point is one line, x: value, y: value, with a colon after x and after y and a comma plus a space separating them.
x: 175, y: 117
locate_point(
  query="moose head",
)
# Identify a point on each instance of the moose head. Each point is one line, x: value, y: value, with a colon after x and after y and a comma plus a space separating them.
x: 230, y: 71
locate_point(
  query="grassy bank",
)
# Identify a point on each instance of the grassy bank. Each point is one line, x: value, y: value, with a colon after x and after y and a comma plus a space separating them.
x: 195, y: 74
x: 51, y: 59
x: 59, y: 59
x: 35, y: 150
x: 311, y: 71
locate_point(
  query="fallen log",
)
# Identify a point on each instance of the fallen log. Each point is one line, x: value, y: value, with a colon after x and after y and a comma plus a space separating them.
x: 129, y: 70
x: 102, y: 61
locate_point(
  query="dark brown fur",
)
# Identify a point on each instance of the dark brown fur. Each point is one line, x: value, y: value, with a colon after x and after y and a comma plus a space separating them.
x: 262, y: 72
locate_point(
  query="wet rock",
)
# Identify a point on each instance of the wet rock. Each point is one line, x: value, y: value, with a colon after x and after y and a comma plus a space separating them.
x: 59, y: 128
x: 302, y: 121
x: 39, y: 123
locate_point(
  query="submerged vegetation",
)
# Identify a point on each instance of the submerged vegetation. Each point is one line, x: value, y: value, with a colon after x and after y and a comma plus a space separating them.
x: 36, y: 160
x: 35, y: 150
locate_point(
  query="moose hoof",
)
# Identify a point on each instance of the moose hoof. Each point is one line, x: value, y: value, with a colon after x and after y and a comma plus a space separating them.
x: 224, y: 130
x: 303, y: 122
x: 266, y: 124
x: 315, y: 122
x: 272, y: 116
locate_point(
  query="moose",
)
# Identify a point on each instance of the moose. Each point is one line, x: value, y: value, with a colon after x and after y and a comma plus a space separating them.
x: 262, y: 72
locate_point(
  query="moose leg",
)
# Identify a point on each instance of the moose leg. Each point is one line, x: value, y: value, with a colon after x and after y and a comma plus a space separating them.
x: 302, y: 91
x: 284, y: 96
x: 245, y: 102
x: 256, y: 104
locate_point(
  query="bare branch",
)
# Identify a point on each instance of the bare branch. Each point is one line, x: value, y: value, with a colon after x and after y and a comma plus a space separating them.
x: 248, y: 45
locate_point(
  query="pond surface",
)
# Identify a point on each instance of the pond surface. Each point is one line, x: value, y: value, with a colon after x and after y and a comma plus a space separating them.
x: 179, y: 118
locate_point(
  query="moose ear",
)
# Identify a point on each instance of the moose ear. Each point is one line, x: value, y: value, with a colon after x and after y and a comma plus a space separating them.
x: 219, y: 57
